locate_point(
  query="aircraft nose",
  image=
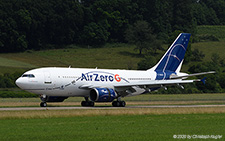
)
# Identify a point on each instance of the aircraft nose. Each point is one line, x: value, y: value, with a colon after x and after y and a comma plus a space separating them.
x: 20, y: 83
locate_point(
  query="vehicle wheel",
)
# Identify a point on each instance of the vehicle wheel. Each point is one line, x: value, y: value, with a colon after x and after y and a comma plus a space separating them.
x: 91, y: 103
x: 116, y: 104
x: 43, y: 104
x: 122, y: 103
x: 83, y: 103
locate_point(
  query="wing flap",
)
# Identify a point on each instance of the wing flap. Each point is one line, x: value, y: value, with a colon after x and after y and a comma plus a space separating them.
x: 155, y: 83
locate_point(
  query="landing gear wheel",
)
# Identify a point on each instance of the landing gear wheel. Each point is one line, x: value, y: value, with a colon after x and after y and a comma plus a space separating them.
x: 118, y: 103
x: 114, y: 103
x: 91, y: 103
x: 122, y: 103
x: 43, y: 104
x: 83, y: 103
x: 87, y: 103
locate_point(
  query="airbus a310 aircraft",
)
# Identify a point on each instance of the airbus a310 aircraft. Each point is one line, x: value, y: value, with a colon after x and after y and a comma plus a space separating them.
x: 105, y: 85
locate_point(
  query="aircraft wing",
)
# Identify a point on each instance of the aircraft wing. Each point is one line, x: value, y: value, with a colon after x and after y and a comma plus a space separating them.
x: 127, y: 88
x: 156, y: 82
x: 132, y: 88
x: 152, y: 83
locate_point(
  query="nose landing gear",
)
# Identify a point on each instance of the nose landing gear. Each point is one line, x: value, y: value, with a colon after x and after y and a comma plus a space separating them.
x: 43, y: 104
x: 44, y: 99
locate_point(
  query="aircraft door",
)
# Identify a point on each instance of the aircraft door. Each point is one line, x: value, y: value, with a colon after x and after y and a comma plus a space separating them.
x: 47, y: 78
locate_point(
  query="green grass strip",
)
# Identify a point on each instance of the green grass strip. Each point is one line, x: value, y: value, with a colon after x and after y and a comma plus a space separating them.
x: 129, y: 127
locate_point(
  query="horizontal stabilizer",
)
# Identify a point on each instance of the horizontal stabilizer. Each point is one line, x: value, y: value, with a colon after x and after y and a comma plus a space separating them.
x: 189, y: 75
x: 203, y: 80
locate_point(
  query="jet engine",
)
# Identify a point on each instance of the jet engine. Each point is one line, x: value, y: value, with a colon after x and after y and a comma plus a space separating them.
x: 102, y: 94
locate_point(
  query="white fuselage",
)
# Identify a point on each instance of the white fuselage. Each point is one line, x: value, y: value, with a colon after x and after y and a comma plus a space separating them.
x: 73, y: 81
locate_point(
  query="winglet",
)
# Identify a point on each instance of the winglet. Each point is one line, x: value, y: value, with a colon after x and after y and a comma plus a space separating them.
x: 203, y: 80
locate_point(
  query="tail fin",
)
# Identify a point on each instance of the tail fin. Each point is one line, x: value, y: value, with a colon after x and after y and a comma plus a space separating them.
x: 172, y: 60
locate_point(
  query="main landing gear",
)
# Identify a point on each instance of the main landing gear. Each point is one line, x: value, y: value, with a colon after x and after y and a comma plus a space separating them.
x: 87, y: 103
x: 118, y: 103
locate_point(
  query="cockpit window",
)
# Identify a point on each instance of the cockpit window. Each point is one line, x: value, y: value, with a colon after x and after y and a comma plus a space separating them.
x: 28, y: 75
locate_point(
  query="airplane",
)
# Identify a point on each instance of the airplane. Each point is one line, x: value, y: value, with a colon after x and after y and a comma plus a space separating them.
x: 55, y: 84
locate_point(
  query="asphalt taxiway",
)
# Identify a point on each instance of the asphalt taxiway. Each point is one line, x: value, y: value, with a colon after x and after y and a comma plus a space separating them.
x: 101, y: 107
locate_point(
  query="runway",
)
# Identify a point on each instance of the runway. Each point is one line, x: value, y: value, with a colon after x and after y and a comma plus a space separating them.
x: 101, y: 107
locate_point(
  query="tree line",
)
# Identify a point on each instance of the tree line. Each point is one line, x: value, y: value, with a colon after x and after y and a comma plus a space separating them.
x: 41, y: 24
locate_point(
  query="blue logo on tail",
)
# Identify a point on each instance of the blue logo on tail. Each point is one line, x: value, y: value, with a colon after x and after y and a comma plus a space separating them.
x: 173, y: 57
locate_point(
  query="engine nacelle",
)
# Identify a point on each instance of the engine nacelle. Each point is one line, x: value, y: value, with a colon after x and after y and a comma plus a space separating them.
x: 53, y: 98
x: 102, y: 95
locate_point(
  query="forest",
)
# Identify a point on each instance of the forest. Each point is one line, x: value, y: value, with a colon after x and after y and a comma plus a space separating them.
x: 43, y: 24
x: 33, y: 25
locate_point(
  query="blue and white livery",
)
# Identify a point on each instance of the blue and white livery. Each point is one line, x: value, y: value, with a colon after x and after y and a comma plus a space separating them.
x: 105, y: 85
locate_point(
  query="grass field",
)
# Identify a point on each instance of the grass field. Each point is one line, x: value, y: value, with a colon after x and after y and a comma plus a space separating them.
x: 113, y: 127
x: 217, y: 31
x: 17, y: 64
x: 111, y: 56
x: 209, y: 48
x: 118, y: 56
x: 115, y: 124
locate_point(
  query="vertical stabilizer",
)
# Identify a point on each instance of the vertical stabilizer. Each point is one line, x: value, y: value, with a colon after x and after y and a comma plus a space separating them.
x: 172, y: 60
